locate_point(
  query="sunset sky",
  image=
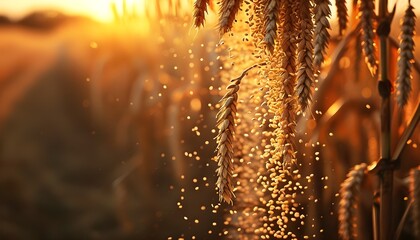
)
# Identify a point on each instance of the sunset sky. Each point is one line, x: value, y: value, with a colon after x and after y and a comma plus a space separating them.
x: 98, y: 9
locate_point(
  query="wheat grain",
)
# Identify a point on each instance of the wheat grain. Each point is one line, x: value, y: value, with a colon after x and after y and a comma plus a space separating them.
x: 342, y: 15
x: 406, y: 56
x: 321, y: 35
x: 415, y: 197
x: 366, y: 15
x: 228, y: 11
x: 348, y: 201
x: 200, y: 10
x: 305, y: 72
x: 271, y: 11
x: 226, y: 124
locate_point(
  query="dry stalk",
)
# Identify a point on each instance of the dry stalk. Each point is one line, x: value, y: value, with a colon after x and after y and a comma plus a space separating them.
x: 415, y: 196
x: 305, y: 72
x: 321, y: 37
x: 226, y: 124
x: 271, y: 11
x: 366, y: 16
x: 348, y: 202
x: 200, y: 10
x: 406, y: 56
x: 342, y: 15
x: 228, y: 11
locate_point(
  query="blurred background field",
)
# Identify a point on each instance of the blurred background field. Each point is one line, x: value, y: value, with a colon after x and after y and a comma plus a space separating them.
x: 107, y: 124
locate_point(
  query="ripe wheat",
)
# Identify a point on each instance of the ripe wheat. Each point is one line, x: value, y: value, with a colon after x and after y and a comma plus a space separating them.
x: 305, y: 72
x: 271, y: 11
x: 322, y: 36
x: 348, y: 202
x: 200, y: 10
x: 415, y: 196
x: 226, y: 124
x: 228, y: 11
x: 342, y: 15
x: 406, y: 56
x: 366, y: 15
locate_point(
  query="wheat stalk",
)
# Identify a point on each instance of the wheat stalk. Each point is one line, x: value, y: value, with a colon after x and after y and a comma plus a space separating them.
x: 406, y: 56
x: 305, y: 72
x: 342, y: 15
x: 228, y: 11
x: 200, y: 10
x: 415, y: 196
x: 366, y: 15
x: 348, y: 201
x: 226, y: 124
x: 271, y: 11
x: 321, y: 38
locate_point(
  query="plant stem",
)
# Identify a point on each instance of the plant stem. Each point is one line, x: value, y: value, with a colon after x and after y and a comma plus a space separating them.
x: 386, y: 175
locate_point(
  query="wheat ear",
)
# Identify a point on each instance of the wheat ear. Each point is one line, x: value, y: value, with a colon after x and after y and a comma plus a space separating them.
x: 288, y: 79
x: 406, y: 56
x: 271, y: 12
x: 366, y: 15
x: 200, y: 10
x: 321, y: 37
x: 226, y: 124
x: 348, y: 202
x: 305, y: 72
x: 342, y: 15
x: 228, y: 11
x: 415, y: 196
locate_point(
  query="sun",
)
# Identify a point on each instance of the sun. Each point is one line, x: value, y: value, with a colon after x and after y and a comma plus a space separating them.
x: 104, y: 10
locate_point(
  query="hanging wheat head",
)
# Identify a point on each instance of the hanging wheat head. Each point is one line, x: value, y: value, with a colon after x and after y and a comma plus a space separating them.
x: 226, y: 125
x: 322, y: 36
x: 415, y: 197
x: 288, y: 109
x: 200, y: 10
x: 366, y: 16
x: 271, y: 12
x: 305, y: 71
x: 406, y: 56
x: 342, y: 15
x: 349, y: 191
x: 228, y: 11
